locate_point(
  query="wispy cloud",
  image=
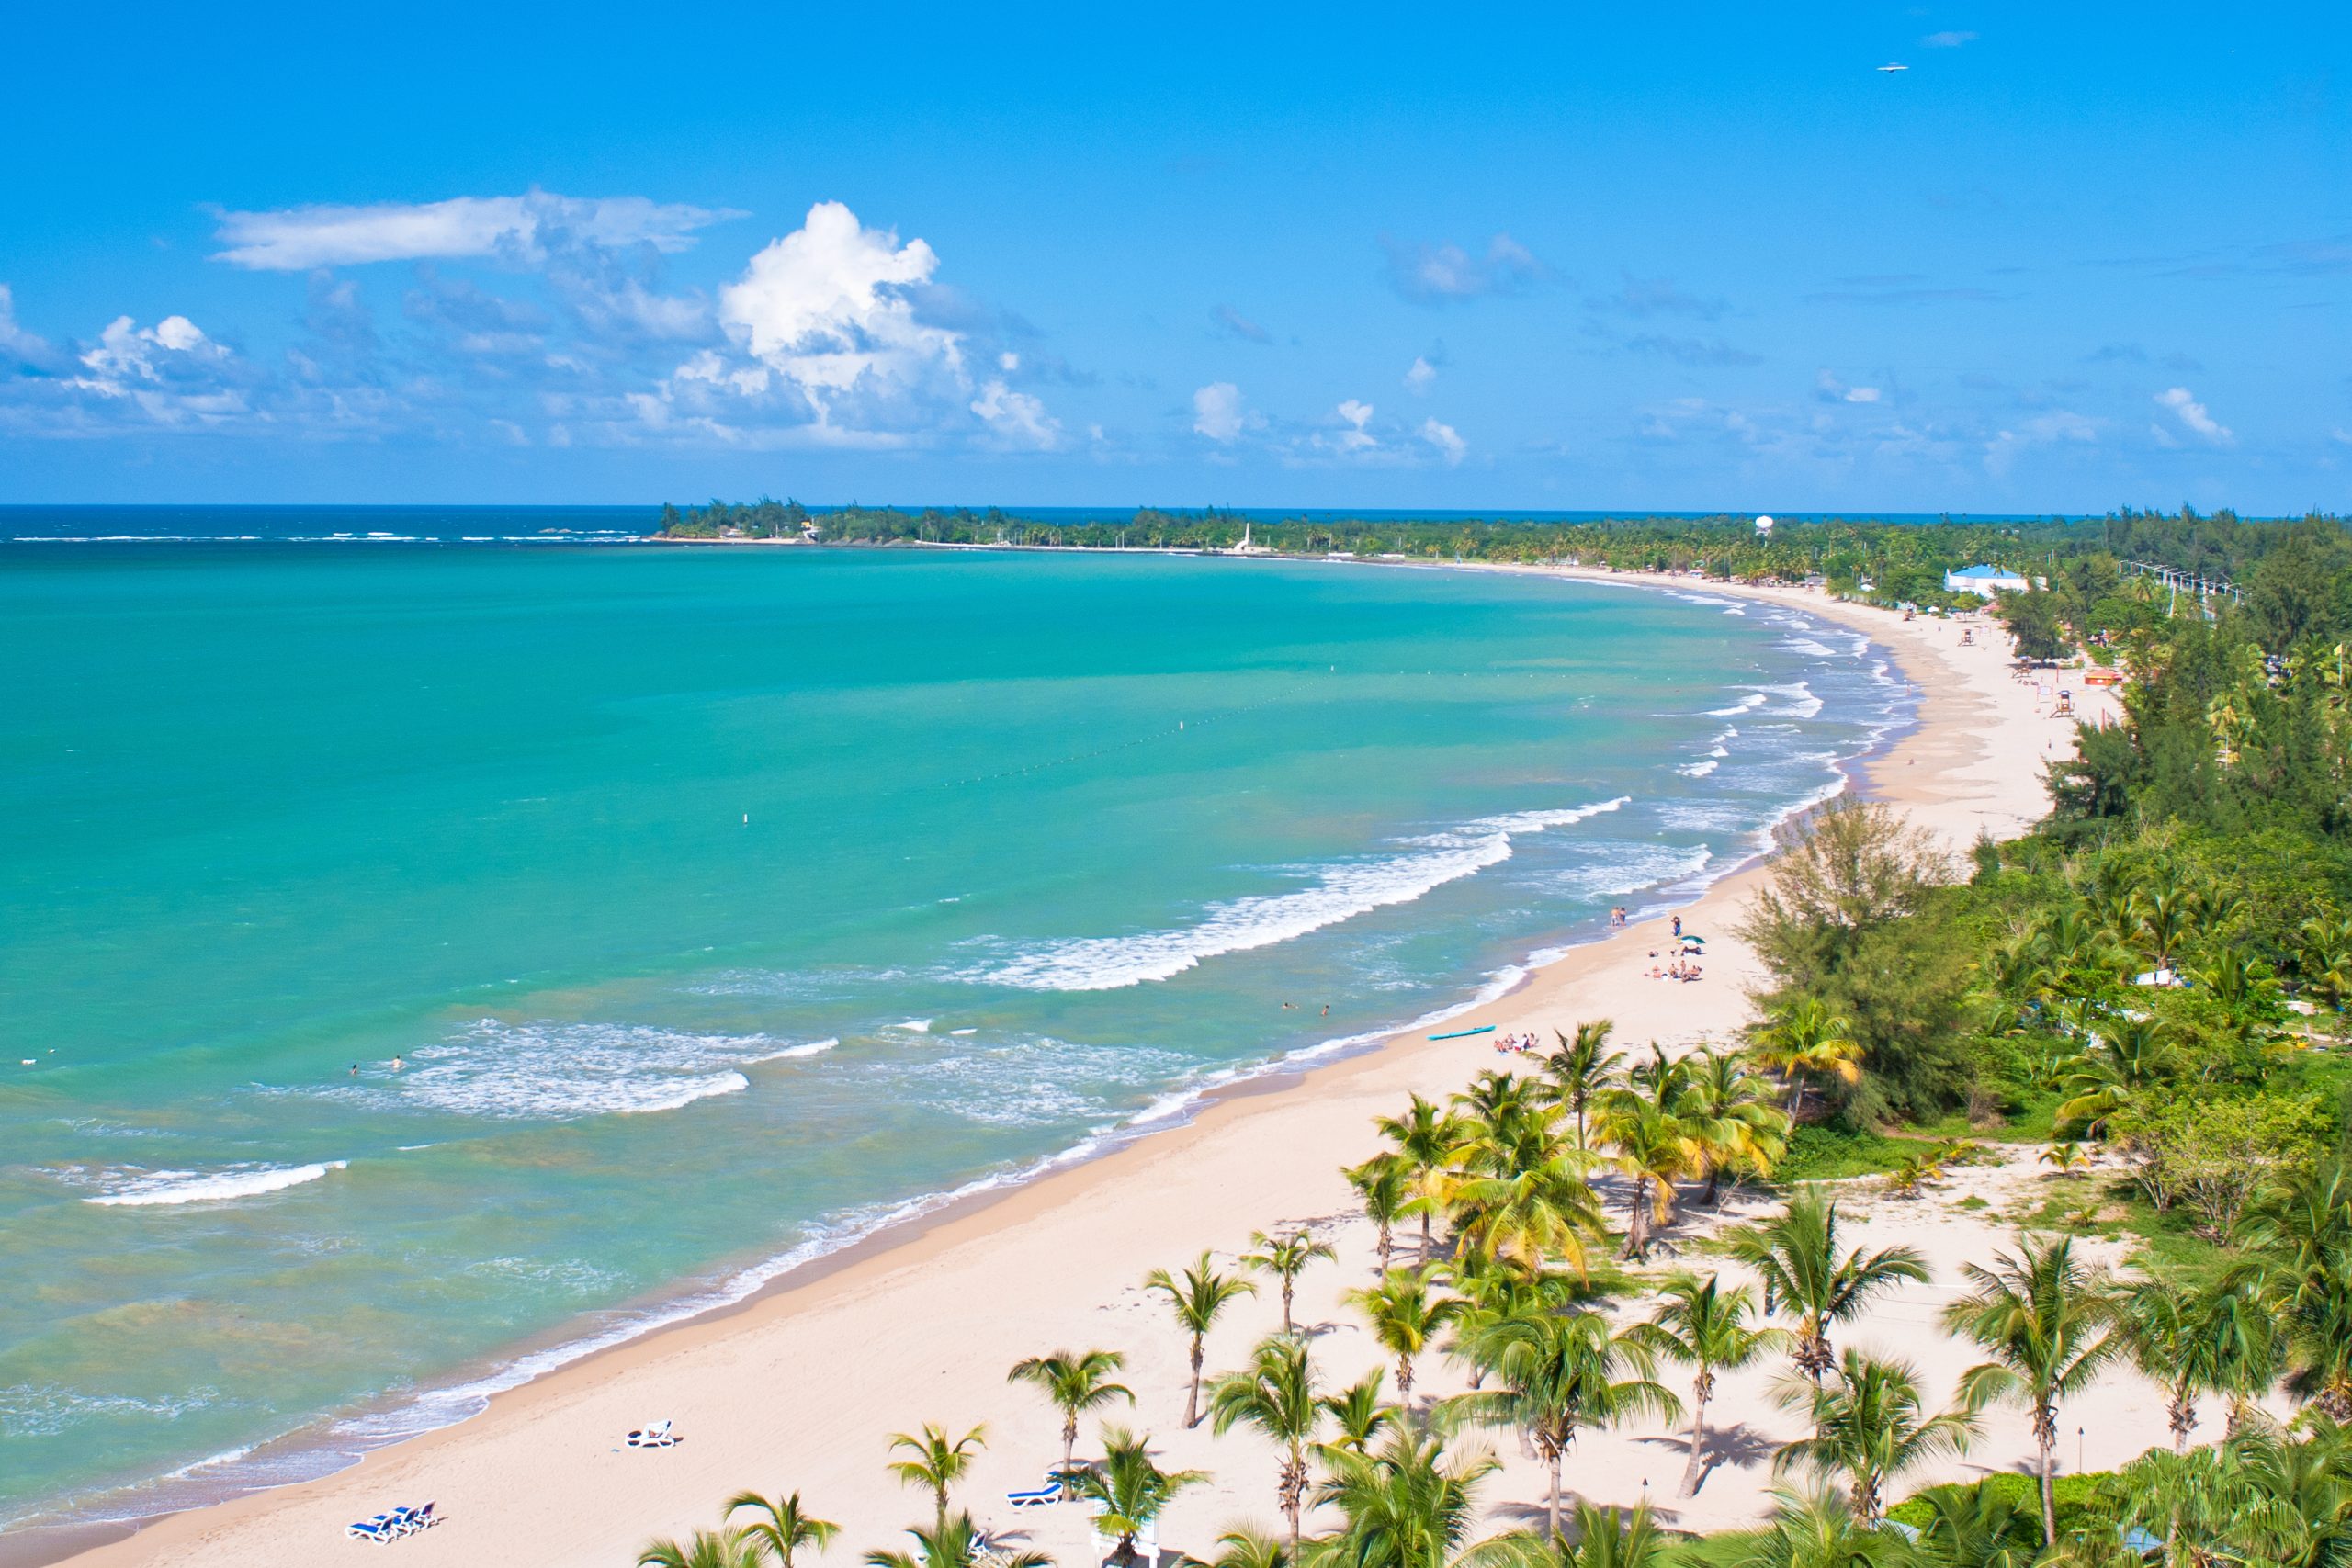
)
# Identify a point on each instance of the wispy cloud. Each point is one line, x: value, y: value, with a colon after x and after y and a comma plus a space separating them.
x: 1420, y: 376
x: 1690, y: 350
x: 1889, y: 291
x: 1437, y: 274
x: 1240, y: 326
x: 522, y: 228
x: 1446, y: 439
x: 1643, y: 296
x: 1948, y: 39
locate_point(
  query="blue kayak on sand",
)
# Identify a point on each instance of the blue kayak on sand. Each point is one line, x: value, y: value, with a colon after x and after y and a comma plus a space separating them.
x: 1465, y: 1034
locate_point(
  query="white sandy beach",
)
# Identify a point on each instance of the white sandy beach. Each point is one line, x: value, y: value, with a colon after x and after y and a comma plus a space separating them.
x: 801, y: 1389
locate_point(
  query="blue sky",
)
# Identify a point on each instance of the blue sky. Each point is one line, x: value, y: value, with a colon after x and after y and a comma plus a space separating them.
x: 1562, y: 256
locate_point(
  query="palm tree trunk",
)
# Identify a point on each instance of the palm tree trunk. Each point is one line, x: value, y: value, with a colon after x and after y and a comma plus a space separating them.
x: 1069, y: 1440
x: 1691, y: 1471
x: 1286, y: 1284
x: 1193, y: 1390
x: 2045, y: 1435
x: 1405, y: 1384
x: 2184, y: 1418
x: 1552, y: 1499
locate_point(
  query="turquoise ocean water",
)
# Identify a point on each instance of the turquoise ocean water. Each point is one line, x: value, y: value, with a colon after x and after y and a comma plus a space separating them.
x: 724, y: 905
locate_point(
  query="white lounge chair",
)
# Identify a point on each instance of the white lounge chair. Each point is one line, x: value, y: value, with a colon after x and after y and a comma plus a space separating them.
x: 658, y: 1435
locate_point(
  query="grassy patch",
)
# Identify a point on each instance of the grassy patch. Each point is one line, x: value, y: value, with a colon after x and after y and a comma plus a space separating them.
x: 1831, y: 1154
x: 2080, y: 1503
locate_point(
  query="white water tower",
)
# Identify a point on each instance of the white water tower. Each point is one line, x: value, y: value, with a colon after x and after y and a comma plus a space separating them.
x: 1763, y: 527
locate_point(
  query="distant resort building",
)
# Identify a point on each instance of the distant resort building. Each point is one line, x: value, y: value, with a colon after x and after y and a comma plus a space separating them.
x: 1984, y: 581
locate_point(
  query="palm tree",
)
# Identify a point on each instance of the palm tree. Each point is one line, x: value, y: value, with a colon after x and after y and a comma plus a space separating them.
x: 1978, y: 1527
x: 1555, y: 1375
x: 1604, y: 1538
x: 1704, y: 1326
x: 1287, y: 1258
x: 1075, y: 1382
x: 2126, y: 1055
x: 1735, y: 1118
x: 1380, y: 1187
x: 2326, y: 959
x: 781, y: 1528
x: 1804, y: 1040
x: 704, y: 1549
x: 1406, y: 1504
x: 1652, y: 1148
x: 1360, y: 1413
x: 1870, y: 1426
x: 1531, y: 1215
x: 1197, y: 1302
x: 1820, y: 1529
x: 1406, y: 1317
x: 952, y: 1543
x: 2168, y: 1330
x: 938, y: 1464
x: 1424, y: 1138
x: 1129, y: 1490
x: 2048, y: 1324
x: 1242, y: 1547
x: 2068, y: 1159
x: 1277, y: 1396
x: 1796, y: 1253
x: 1581, y: 1069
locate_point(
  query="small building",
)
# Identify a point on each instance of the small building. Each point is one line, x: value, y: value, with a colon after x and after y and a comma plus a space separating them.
x: 1983, y: 582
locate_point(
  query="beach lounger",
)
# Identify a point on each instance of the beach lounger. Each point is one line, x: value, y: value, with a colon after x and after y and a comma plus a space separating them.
x: 657, y: 1435
x: 1051, y: 1492
x: 410, y: 1520
x: 378, y: 1529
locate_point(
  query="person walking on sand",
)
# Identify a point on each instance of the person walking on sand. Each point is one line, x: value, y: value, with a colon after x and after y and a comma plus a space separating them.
x: 1678, y: 928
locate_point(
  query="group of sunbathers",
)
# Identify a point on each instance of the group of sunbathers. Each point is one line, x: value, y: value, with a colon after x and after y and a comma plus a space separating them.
x: 1515, y: 1044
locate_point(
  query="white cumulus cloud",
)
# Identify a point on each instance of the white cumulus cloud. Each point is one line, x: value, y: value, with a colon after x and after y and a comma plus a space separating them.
x: 2194, y: 415
x: 1219, y: 413
x: 297, y: 239
x: 1354, y: 415
x: 827, y: 307
x: 1420, y: 376
x: 1448, y: 441
x: 1017, y: 418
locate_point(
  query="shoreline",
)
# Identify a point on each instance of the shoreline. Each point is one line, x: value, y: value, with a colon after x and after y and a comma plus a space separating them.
x: 906, y: 1246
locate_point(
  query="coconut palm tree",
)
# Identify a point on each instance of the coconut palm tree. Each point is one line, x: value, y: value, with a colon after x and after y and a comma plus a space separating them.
x: 938, y: 1463
x: 1531, y: 1215
x: 1360, y: 1413
x: 1197, y: 1301
x: 1380, y: 1187
x: 2125, y: 1056
x: 2325, y: 957
x: 2048, y: 1324
x: 1406, y: 1505
x: 1705, y: 1327
x: 1285, y: 1257
x: 1820, y: 1529
x: 1277, y: 1396
x: 1870, y: 1426
x: 1806, y: 1042
x: 1555, y: 1375
x: 1652, y: 1148
x: 2068, y: 1159
x: 780, y: 1526
x: 1580, y: 1068
x: 952, y: 1543
x: 704, y: 1549
x: 1075, y: 1382
x: 1128, y: 1489
x: 1405, y: 1316
x: 1242, y: 1547
x: 1798, y: 1256
x: 1602, y: 1538
x: 1731, y: 1108
x: 2168, y: 1330
x: 1424, y: 1136
x: 1978, y: 1527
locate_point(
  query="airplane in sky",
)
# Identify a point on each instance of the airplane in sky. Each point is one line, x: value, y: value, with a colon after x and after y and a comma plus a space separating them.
x: 1895, y: 65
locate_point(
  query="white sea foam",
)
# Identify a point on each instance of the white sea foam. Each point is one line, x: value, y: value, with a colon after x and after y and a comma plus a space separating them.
x: 144, y: 1189
x: 1801, y: 702
x: 1339, y: 893
x: 795, y: 1053
x: 1748, y: 703
x: 1700, y: 770
x: 562, y: 1072
x: 1806, y: 645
